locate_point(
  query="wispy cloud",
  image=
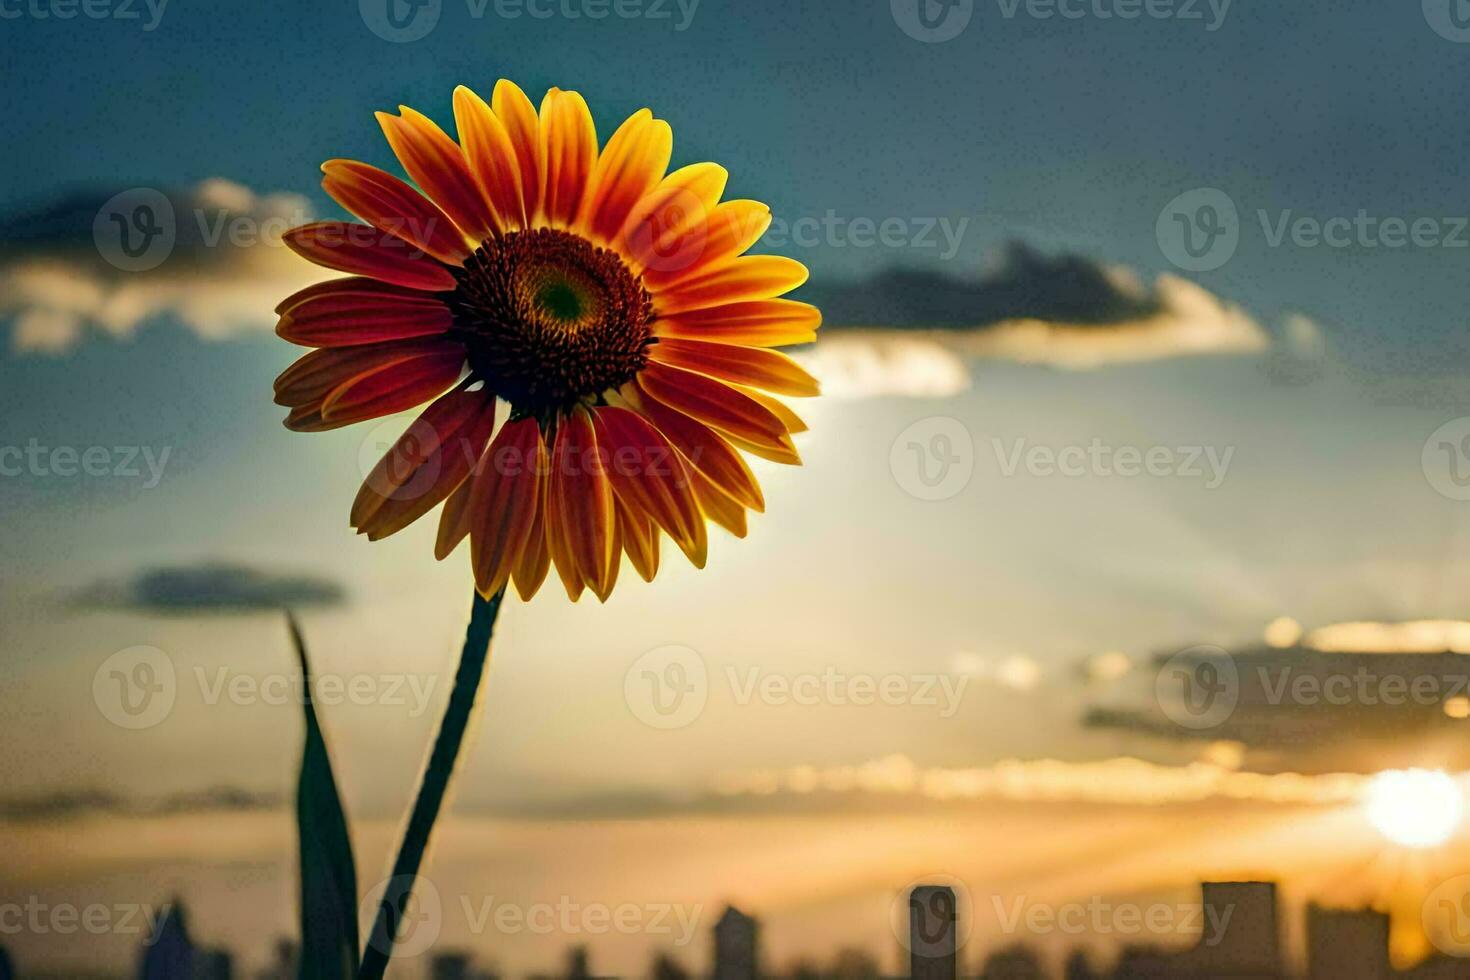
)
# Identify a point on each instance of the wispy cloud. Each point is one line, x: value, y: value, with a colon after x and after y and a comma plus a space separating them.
x: 209, y: 587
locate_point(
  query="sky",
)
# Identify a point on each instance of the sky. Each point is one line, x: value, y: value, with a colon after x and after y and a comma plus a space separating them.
x: 1049, y: 247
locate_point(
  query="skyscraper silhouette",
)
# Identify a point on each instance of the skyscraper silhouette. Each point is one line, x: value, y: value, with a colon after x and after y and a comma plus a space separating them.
x: 736, y: 946
x: 933, y: 920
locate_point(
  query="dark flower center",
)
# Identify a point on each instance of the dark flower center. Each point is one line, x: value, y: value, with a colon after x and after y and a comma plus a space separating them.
x: 549, y: 319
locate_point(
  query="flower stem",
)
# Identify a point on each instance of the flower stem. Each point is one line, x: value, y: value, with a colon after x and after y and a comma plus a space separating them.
x: 432, y: 786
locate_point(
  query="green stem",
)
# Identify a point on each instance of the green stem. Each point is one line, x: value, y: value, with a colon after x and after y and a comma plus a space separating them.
x: 432, y: 787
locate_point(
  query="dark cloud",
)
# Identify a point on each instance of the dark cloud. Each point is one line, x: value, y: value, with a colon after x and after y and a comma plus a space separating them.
x: 213, y: 587
x: 1309, y: 709
x: 1022, y: 284
x: 96, y: 802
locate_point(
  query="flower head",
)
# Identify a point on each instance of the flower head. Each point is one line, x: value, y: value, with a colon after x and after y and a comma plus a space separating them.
x: 608, y: 303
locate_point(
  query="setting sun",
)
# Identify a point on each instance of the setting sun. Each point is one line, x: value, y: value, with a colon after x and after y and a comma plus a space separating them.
x: 1414, y: 807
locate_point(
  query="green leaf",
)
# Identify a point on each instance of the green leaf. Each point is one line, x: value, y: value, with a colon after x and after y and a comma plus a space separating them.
x: 329, y: 942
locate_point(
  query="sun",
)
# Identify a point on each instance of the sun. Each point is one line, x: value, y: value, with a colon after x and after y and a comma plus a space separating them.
x: 1414, y: 807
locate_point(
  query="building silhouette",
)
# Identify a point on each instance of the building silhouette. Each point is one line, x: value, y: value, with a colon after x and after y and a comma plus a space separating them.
x: 7, y: 969
x: 933, y: 923
x: 736, y: 946
x: 1013, y: 963
x: 1347, y: 943
x: 168, y: 954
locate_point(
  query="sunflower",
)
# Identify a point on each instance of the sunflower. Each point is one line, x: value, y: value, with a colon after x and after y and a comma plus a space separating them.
x: 606, y: 302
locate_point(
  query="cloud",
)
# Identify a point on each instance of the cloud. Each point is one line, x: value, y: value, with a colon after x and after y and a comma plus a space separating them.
x: 211, y: 587
x: 1122, y: 780
x: 913, y: 333
x: 209, y: 256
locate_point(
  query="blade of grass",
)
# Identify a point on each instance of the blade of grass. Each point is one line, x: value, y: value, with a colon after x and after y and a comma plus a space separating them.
x: 329, y: 939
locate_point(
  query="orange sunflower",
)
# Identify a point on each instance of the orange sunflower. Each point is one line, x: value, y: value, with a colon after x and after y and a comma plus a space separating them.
x: 608, y: 303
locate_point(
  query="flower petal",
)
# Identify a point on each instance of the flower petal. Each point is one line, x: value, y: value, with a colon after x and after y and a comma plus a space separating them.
x: 435, y: 163
x: 535, y: 561
x: 390, y: 205
x: 639, y: 538
x: 365, y: 251
x: 427, y: 463
x: 732, y: 227
x: 758, y: 323
x: 312, y: 377
x: 580, y: 516
x: 703, y: 447
x: 753, y: 366
x: 518, y: 115
x: 632, y: 164
x: 504, y: 502
x: 569, y: 147
x: 454, y: 520
x: 719, y: 506
x: 648, y: 472
x: 357, y: 310
x: 749, y: 277
x: 492, y: 158
x: 667, y: 228
x: 712, y: 402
